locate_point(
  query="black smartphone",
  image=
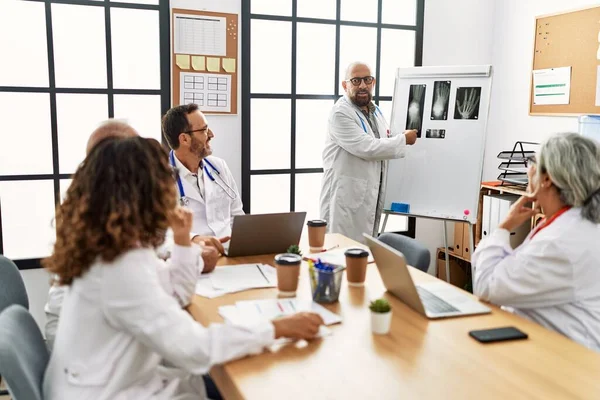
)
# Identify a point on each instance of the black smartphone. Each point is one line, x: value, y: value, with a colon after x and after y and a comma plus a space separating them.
x: 498, y: 334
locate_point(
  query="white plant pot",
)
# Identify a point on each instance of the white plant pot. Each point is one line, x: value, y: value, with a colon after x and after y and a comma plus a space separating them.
x: 380, y: 322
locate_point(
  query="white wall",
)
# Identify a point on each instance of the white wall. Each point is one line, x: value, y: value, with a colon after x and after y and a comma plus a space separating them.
x: 514, y: 22
x: 227, y: 143
x: 458, y: 32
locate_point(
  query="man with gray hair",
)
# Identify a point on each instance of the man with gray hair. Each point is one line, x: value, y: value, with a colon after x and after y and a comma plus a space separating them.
x: 357, y: 148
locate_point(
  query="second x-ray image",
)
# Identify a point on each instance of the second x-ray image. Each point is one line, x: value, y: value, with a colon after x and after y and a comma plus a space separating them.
x: 467, y: 103
x: 435, y: 133
x: 416, y: 107
x: 441, y: 100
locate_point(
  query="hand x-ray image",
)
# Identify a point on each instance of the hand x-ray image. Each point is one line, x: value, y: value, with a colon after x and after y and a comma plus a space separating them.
x: 435, y: 133
x: 467, y: 103
x: 416, y: 108
x: 441, y: 100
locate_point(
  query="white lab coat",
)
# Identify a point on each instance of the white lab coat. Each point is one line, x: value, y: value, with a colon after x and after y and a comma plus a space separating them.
x: 552, y: 278
x: 353, y: 159
x: 213, y: 215
x: 174, y: 281
x: 119, y: 322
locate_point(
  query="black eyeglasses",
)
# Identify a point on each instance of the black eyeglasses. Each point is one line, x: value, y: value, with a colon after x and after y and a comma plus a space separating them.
x: 197, y: 130
x: 356, y: 81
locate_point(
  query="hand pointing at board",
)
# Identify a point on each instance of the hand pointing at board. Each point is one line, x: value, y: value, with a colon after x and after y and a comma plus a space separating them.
x: 411, y: 136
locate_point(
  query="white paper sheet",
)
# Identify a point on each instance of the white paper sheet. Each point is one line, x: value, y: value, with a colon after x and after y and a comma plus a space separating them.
x: 336, y: 256
x: 212, y: 92
x: 250, y: 311
x: 236, y: 278
x: 552, y: 86
x: 273, y: 308
x: 244, y: 276
x: 204, y: 35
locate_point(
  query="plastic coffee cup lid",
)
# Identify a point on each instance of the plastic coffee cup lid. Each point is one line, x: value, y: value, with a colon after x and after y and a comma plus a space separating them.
x: 288, y: 259
x: 317, y: 223
x: 356, y: 253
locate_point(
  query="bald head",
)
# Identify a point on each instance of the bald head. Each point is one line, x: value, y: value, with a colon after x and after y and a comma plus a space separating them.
x: 358, y: 84
x: 356, y: 65
x: 111, y: 128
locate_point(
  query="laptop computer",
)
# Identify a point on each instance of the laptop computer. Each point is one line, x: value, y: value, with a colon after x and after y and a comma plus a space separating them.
x: 254, y: 234
x: 433, y: 299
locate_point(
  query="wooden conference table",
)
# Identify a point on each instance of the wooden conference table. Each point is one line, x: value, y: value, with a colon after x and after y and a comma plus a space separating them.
x: 419, y: 359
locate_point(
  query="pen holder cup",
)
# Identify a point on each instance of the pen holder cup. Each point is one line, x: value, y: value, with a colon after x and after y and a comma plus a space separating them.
x: 326, y: 285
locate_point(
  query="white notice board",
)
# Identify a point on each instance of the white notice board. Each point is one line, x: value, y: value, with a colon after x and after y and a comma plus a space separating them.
x: 440, y: 176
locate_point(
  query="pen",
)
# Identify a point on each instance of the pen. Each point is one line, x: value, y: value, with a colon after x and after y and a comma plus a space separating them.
x: 263, y: 274
x: 331, y: 248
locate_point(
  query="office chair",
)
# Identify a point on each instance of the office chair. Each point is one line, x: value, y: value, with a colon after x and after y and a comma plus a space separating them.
x: 23, y: 353
x: 12, y: 288
x: 415, y: 253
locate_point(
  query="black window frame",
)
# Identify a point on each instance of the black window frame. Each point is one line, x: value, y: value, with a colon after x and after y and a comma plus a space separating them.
x: 247, y: 95
x: 164, y: 11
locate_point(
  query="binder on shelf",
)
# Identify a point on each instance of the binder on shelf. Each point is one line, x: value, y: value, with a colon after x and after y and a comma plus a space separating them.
x: 485, y: 217
x: 458, y: 238
x: 467, y: 242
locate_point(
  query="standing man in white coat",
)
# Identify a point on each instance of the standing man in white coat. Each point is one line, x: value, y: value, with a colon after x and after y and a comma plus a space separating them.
x: 205, y: 184
x: 354, y: 159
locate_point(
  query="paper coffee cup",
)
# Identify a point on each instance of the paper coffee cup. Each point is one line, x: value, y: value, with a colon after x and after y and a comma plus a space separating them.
x: 316, y: 234
x: 356, y: 266
x: 288, y: 273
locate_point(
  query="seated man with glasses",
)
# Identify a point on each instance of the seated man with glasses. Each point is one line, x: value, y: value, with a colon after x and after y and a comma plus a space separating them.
x: 357, y: 148
x: 205, y: 184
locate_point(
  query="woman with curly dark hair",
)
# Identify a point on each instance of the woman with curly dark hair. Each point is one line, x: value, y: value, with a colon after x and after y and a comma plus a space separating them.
x: 118, y: 320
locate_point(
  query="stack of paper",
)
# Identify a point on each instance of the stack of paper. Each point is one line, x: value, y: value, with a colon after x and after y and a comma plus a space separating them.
x: 248, y: 311
x: 336, y: 256
x: 236, y: 278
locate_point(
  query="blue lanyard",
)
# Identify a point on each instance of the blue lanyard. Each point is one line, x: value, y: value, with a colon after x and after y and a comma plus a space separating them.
x: 179, y: 185
x: 363, y: 122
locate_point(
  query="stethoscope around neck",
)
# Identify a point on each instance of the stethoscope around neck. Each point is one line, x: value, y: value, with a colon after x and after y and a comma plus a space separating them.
x: 364, y: 126
x: 223, y: 185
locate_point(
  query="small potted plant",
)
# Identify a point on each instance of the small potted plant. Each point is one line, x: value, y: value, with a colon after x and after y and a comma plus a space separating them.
x: 294, y: 249
x: 381, y: 316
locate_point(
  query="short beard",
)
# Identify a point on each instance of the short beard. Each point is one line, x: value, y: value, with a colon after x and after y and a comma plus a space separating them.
x: 362, y: 103
x: 195, y: 148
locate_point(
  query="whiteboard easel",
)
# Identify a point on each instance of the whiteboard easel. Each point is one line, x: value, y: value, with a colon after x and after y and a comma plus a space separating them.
x: 440, y: 175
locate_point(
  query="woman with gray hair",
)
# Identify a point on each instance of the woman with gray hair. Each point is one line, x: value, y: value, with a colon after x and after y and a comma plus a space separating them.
x: 553, y: 277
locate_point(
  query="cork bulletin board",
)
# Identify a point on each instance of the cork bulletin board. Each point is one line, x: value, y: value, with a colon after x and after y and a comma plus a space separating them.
x: 205, y: 60
x: 570, y: 39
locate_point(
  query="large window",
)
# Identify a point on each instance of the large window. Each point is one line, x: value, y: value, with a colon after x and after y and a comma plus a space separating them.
x: 66, y: 66
x: 294, y: 56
